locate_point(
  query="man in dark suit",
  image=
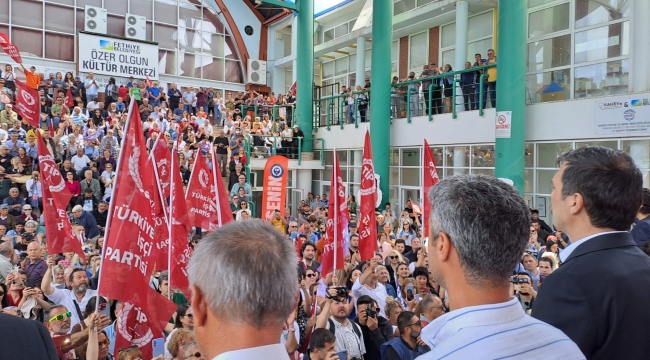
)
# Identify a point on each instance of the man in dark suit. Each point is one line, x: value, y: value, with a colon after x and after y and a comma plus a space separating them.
x: 597, y: 297
x: 28, y: 339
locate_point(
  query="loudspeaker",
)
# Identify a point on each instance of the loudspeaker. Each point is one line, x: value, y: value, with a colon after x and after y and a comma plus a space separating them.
x: 256, y: 72
x: 95, y: 19
x: 135, y: 27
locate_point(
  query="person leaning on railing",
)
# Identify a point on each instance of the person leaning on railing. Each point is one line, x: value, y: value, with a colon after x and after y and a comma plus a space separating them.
x: 467, y: 81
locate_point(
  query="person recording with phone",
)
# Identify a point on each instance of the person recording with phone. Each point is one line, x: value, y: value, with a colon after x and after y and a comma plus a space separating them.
x: 525, y: 292
x: 375, y: 328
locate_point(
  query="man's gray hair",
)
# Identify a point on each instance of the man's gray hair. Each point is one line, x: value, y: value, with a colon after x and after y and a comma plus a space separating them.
x: 164, y: 275
x: 427, y: 302
x: 48, y: 313
x: 487, y: 222
x: 6, y: 248
x: 247, y: 273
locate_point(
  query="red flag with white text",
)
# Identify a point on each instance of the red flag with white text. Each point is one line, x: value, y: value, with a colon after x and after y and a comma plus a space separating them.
x: 337, y: 223
x: 180, y: 230
x: 10, y: 49
x: 159, y: 160
x: 162, y: 156
x: 430, y: 178
x: 200, y: 196
x: 129, y: 249
x: 69, y: 99
x: 28, y: 105
x: 276, y: 177
x: 224, y: 213
x: 138, y: 326
x: 368, y: 201
x: 61, y: 237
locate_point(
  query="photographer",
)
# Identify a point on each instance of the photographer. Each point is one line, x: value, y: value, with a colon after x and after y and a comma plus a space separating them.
x: 525, y: 292
x: 376, y: 329
x: 347, y: 333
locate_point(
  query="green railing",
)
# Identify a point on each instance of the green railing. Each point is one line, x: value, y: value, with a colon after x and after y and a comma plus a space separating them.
x: 257, y: 146
x: 273, y: 111
x: 433, y: 101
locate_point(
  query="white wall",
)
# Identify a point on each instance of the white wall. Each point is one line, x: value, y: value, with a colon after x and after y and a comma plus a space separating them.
x: 243, y: 16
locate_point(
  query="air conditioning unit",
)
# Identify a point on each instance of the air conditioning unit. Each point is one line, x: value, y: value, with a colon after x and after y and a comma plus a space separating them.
x: 96, y: 18
x: 135, y: 27
x: 256, y: 72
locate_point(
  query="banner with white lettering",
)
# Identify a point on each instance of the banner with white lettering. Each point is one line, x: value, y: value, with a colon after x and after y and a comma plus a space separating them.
x: 276, y: 176
x: 117, y: 57
x: 622, y: 115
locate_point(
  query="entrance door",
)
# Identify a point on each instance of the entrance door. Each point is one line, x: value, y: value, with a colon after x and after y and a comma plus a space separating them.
x: 295, y: 195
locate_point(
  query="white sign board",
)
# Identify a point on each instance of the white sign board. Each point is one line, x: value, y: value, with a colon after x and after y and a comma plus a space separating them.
x: 622, y: 115
x: 116, y: 57
x: 503, y: 125
x: 365, y: 17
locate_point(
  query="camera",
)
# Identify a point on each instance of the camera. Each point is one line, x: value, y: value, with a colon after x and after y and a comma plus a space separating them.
x: 516, y: 280
x: 341, y: 291
x: 371, y: 313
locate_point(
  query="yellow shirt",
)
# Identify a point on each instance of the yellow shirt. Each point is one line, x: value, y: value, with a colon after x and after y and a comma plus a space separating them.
x: 492, y: 72
x: 279, y: 224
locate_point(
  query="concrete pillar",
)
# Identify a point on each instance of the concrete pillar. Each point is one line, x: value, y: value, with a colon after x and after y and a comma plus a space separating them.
x: 511, y: 41
x: 361, y: 61
x: 294, y: 46
x: 382, y: 40
x: 462, y: 17
x: 304, y: 70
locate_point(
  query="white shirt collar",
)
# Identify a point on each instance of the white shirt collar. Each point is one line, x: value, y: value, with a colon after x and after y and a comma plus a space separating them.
x: 481, y: 315
x: 564, y: 254
x: 275, y: 352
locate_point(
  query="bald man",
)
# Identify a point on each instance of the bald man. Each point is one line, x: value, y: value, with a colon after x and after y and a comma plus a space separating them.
x: 35, y: 266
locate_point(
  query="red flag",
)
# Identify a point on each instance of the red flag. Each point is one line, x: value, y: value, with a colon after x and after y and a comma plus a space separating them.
x: 51, y: 128
x: 337, y: 223
x: 160, y: 166
x: 293, y: 89
x: 27, y: 104
x: 128, y: 254
x: 69, y: 100
x: 200, y: 197
x: 430, y: 178
x: 276, y: 176
x: 10, y: 49
x: 180, y: 230
x: 162, y: 157
x: 138, y: 326
x: 416, y: 208
x: 368, y: 223
x: 148, y: 82
x: 223, y: 204
x: 56, y: 196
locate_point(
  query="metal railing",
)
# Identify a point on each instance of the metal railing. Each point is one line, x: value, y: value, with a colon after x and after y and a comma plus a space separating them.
x: 265, y: 146
x: 273, y: 111
x: 405, y: 103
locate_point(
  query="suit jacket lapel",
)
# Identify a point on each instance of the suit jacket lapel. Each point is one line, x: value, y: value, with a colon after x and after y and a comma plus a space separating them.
x: 602, y: 242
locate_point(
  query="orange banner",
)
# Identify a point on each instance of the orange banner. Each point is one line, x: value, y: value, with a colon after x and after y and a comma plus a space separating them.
x: 276, y: 175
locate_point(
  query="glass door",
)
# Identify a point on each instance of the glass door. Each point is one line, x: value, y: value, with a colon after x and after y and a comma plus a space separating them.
x: 294, y: 197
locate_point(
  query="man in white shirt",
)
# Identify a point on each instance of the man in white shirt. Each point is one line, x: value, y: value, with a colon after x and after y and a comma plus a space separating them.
x: 76, y: 299
x: 91, y: 88
x: 468, y: 213
x: 79, y: 161
x: 366, y: 284
x: 256, y: 314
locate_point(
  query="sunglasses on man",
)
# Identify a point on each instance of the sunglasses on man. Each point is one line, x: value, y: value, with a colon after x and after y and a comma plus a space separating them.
x: 61, y: 316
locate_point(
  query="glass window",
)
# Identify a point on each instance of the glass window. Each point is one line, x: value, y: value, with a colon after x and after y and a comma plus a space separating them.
x: 4, y: 11
x: 356, y: 157
x: 142, y: 8
x: 368, y: 58
x: 189, y: 15
x: 328, y: 69
x: 352, y: 60
x: 344, y: 174
x: 394, y: 176
x: 410, y: 176
x: 528, y: 180
x: 607, y: 144
x: 488, y: 172
x: 602, y: 43
x: 411, y: 157
x: 234, y: 72
x: 438, y: 156
x: 402, y: 6
x: 340, y: 30
x: 548, y: 86
x: 548, y: 21
x: 190, y: 40
x: 449, y: 57
x: 395, y: 51
x: 327, y: 174
x: 231, y: 52
x: 591, y: 12
x: 480, y: 26
x: 167, y: 61
x: 115, y: 25
x: 27, y: 13
x: 29, y: 42
x: 418, y: 51
x: 59, y: 18
x: 476, y: 47
x: 119, y: 7
x: 190, y: 65
x: 483, y: 156
x: 534, y: 3
x: 457, y: 156
x: 165, y: 12
x: 610, y: 78
x: 544, y: 179
x: 394, y: 157
x: 82, y: 3
x: 547, y: 153
x: 448, y: 37
x: 212, y: 68
x: 456, y: 171
x: 315, y: 175
x: 328, y: 35
x: 166, y: 36
x: 341, y: 65
x: 529, y: 155
x: 343, y: 158
x: 639, y: 150
x: 59, y: 46
x: 64, y: 2
x: 214, y: 44
x: 355, y: 174
x: 549, y: 53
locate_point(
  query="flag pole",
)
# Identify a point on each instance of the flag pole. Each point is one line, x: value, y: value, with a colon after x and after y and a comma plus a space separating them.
x: 336, y: 209
x: 169, y: 223
x: 112, y: 203
x: 216, y: 188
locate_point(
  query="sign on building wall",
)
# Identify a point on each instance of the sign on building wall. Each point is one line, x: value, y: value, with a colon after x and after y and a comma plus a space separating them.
x: 503, y: 124
x: 622, y: 115
x: 116, y: 57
